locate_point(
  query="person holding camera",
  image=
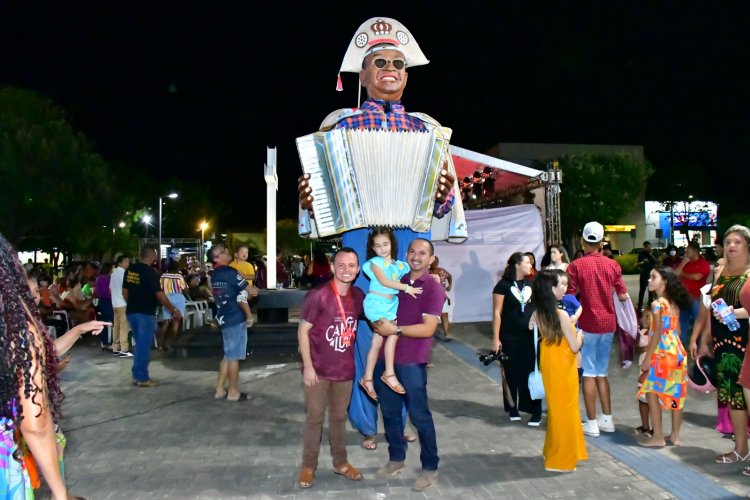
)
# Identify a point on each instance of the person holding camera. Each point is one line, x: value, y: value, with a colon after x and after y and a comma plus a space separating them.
x: 511, y: 311
x: 564, y: 445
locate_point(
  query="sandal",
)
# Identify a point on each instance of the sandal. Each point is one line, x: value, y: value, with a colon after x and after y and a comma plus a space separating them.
x: 306, y: 478
x: 642, y: 431
x: 731, y: 457
x: 370, y: 443
x: 348, y: 471
x: 398, y: 388
x: 370, y: 394
x: 746, y: 471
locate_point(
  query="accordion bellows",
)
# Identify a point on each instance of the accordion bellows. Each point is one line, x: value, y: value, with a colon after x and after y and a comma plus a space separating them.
x: 364, y: 178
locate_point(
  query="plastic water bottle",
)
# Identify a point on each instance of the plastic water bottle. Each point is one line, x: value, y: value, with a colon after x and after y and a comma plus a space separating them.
x: 727, y: 315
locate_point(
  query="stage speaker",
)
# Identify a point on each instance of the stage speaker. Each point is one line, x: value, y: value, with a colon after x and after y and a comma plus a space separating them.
x: 633, y: 233
x: 660, y: 233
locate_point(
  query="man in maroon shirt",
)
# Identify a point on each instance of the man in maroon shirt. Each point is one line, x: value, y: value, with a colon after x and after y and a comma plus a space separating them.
x: 594, y: 278
x: 326, y: 335
x: 693, y: 272
x: 417, y: 320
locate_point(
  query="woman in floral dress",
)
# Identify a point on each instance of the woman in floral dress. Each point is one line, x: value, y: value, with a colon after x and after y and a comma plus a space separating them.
x: 729, y: 346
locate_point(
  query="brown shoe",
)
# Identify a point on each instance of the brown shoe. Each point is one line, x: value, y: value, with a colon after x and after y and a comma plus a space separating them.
x: 147, y: 383
x: 306, y: 478
x: 391, y: 469
x: 426, y: 479
x: 348, y: 471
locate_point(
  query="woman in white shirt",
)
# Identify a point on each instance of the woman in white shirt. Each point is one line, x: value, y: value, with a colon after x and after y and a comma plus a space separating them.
x: 556, y: 258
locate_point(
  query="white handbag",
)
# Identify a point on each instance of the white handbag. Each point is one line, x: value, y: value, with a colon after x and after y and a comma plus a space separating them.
x: 536, y: 386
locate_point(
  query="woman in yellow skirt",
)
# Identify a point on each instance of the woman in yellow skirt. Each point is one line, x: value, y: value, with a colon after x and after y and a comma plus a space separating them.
x: 564, y: 445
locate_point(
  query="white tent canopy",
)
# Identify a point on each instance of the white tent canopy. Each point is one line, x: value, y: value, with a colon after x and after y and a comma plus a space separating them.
x: 477, y: 264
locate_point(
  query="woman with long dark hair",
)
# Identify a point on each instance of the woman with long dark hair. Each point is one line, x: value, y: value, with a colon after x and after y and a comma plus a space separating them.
x: 30, y: 395
x: 556, y: 258
x: 664, y: 366
x: 511, y: 310
x: 564, y: 445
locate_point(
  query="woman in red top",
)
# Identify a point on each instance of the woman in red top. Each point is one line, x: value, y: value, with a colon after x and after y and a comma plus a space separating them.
x: 319, y: 270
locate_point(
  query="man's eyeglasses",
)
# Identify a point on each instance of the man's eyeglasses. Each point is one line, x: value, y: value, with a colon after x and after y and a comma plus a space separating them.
x: 381, y: 63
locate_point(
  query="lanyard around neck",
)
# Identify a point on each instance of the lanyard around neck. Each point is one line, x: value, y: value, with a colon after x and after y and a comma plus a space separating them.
x: 338, y: 301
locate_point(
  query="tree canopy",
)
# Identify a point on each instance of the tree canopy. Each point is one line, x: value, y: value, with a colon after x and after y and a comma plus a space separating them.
x: 56, y: 188
x: 599, y: 187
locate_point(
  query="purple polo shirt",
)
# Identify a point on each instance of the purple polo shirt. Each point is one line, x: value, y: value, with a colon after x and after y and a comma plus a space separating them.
x: 410, y: 351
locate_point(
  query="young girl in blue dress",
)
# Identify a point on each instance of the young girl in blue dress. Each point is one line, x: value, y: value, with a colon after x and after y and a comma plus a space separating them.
x: 381, y: 303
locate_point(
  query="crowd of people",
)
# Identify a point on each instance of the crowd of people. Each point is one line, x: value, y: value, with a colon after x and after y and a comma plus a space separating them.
x: 376, y: 327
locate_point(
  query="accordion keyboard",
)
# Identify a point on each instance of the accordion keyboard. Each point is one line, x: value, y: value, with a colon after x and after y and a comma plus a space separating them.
x: 324, y: 217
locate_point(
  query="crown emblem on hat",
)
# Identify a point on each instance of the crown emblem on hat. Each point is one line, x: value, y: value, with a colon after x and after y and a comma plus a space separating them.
x: 380, y: 27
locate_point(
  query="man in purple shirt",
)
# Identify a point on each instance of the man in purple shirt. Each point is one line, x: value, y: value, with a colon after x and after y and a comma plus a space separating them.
x: 417, y: 320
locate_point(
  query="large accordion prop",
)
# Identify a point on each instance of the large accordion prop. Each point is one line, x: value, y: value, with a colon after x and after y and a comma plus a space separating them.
x: 365, y: 178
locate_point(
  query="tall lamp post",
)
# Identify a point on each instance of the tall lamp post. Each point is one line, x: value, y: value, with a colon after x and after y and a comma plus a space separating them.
x: 146, y: 219
x: 172, y: 196
x: 202, y: 254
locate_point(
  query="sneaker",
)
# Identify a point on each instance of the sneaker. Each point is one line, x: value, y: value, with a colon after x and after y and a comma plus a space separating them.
x: 626, y: 364
x: 605, y: 423
x: 116, y: 353
x: 590, y: 428
x: 514, y: 415
x: 535, y: 421
x: 126, y: 354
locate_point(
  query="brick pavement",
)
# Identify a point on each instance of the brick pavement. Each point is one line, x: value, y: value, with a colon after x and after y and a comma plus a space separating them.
x: 175, y: 441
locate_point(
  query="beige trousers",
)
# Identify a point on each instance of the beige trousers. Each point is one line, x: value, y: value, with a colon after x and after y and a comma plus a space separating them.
x: 120, y: 330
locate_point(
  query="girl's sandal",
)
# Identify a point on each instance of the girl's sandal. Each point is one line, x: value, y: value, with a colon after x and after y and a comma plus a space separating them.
x: 731, y: 457
x: 397, y: 388
x: 370, y: 394
x: 746, y: 471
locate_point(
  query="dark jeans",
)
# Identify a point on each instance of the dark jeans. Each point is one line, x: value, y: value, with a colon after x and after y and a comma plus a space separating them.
x: 414, y: 380
x: 688, y: 318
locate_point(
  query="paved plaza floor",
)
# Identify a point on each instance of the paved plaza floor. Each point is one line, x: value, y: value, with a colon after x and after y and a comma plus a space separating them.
x: 175, y: 441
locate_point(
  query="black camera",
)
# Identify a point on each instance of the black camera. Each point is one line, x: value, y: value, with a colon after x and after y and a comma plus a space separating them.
x: 499, y: 356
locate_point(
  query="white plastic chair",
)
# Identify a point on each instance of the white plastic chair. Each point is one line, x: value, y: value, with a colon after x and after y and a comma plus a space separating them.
x: 204, y: 311
x: 192, y: 316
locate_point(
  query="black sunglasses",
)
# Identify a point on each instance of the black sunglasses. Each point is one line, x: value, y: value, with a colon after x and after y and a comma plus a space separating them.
x: 381, y: 63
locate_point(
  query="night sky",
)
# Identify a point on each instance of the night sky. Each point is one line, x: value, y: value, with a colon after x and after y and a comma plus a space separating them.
x: 198, y: 91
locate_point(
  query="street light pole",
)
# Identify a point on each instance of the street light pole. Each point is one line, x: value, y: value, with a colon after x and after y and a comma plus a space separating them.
x: 202, y: 255
x: 158, y: 250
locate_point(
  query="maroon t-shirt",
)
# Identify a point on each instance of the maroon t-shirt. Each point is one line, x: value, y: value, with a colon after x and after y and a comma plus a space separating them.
x: 410, y: 351
x: 332, y: 355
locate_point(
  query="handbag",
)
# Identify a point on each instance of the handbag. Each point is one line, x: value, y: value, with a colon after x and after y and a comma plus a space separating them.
x: 536, y: 385
x: 626, y: 318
